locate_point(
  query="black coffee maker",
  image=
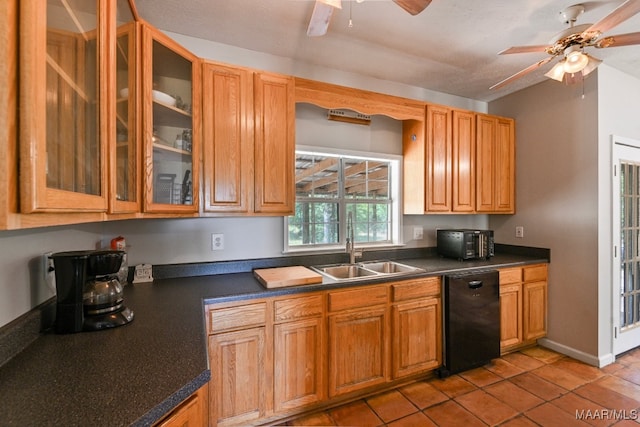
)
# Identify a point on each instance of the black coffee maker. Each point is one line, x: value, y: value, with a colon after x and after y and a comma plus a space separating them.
x: 89, y: 294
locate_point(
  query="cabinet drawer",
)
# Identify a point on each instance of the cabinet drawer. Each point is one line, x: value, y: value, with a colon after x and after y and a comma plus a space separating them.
x: 510, y: 275
x: 224, y: 319
x: 419, y: 288
x: 535, y: 273
x: 298, y: 308
x: 362, y: 297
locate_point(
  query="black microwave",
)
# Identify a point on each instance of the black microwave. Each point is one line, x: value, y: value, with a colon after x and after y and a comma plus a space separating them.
x: 465, y: 244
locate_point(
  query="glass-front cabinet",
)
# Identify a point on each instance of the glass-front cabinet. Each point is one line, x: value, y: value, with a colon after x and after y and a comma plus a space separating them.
x: 124, y: 148
x: 63, y: 130
x: 170, y: 78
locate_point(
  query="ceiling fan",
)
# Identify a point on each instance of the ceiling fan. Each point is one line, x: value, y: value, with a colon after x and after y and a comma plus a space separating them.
x: 571, y: 42
x: 323, y: 9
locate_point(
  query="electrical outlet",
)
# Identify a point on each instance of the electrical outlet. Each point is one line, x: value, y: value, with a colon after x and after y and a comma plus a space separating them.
x: 519, y: 232
x: 48, y: 271
x: 418, y: 233
x: 217, y: 241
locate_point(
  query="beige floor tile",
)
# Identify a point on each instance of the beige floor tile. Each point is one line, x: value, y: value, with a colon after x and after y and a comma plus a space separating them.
x: 486, y: 407
x: 423, y: 394
x: 514, y: 396
x: 391, y: 406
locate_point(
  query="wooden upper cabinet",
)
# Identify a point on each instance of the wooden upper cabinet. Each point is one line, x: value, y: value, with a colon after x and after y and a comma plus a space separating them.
x: 274, y: 115
x: 63, y: 128
x: 171, y: 124
x: 463, y: 179
x: 438, y: 159
x: 227, y: 138
x: 124, y: 148
x: 495, y: 167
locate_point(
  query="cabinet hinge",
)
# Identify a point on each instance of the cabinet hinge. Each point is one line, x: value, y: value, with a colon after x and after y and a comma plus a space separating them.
x: 615, y: 332
x: 615, y: 170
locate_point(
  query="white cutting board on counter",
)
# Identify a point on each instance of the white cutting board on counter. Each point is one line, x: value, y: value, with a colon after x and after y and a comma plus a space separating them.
x: 279, y: 277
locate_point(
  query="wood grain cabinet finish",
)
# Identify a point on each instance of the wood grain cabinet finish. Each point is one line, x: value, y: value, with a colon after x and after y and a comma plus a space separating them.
x: 249, y: 141
x: 523, y: 306
x: 193, y: 412
x: 298, y: 352
x: 463, y: 179
x: 416, y: 327
x: 495, y: 168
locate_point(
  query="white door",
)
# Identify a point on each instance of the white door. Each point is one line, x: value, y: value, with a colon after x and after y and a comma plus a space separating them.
x: 626, y: 240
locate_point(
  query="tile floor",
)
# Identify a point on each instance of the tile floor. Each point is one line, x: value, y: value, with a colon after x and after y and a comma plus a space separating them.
x: 532, y: 387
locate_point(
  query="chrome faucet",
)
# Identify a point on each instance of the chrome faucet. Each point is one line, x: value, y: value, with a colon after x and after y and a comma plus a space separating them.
x: 351, y: 240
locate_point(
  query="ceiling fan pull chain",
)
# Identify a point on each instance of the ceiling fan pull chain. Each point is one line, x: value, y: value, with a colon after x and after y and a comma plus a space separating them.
x: 350, y: 11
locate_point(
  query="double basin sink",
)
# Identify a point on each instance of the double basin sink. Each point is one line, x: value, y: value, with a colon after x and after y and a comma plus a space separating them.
x: 365, y: 270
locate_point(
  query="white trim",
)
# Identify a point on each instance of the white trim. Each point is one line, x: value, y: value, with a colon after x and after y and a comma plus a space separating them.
x: 587, y: 358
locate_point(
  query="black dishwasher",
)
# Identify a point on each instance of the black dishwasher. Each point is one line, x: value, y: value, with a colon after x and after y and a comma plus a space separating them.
x: 471, y: 320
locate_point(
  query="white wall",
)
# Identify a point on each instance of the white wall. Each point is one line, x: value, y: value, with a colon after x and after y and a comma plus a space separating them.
x: 557, y: 200
x: 618, y: 114
x: 188, y: 240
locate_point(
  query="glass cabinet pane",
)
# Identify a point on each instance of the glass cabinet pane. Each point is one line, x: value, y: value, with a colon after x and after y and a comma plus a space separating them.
x: 172, y: 127
x: 72, y: 97
x: 126, y: 167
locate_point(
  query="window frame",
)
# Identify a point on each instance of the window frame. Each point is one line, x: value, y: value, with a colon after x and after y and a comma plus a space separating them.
x: 395, y: 177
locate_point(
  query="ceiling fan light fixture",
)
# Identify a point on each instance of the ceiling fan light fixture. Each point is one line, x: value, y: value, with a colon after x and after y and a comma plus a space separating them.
x: 591, y: 65
x: 557, y: 72
x: 575, y: 59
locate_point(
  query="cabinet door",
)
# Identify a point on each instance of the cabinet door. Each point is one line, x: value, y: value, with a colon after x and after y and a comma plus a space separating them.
x: 274, y: 109
x: 191, y: 413
x: 124, y: 148
x: 63, y: 128
x: 228, y: 138
x: 485, y: 155
x: 510, y: 315
x: 505, y: 166
x: 463, y: 185
x: 438, y: 159
x: 298, y: 362
x: 535, y: 310
x: 358, y: 354
x: 171, y: 124
x: 417, y: 338
x: 238, y: 376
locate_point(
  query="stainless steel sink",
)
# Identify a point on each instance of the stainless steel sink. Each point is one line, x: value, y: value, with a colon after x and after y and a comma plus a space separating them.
x: 389, y: 267
x: 364, y: 270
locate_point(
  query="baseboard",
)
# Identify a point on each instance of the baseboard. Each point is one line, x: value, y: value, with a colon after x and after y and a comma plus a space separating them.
x: 577, y: 354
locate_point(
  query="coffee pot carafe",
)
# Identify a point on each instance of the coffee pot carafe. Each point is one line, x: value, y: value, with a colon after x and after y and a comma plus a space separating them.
x: 89, y: 294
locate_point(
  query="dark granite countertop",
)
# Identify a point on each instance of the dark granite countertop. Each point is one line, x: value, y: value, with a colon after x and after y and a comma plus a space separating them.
x: 135, y: 374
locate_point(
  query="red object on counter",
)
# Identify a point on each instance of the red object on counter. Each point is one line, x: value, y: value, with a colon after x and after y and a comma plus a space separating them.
x: 118, y: 243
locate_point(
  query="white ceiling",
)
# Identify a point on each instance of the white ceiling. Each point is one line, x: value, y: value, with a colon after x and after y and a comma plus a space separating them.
x: 451, y: 47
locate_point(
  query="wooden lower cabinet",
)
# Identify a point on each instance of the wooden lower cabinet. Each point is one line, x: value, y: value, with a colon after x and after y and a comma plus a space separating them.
x: 417, y: 336
x: 358, y: 351
x: 238, y: 376
x: 298, y: 352
x: 193, y: 412
x: 523, y: 306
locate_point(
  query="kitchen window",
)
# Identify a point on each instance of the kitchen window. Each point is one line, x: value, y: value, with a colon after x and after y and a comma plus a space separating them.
x: 331, y: 185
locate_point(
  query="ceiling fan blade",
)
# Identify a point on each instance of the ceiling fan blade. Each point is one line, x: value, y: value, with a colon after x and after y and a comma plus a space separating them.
x: 524, y: 49
x: 321, y: 17
x: 521, y: 73
x: 619, y: 40
x: 414, y: 7
x: 620, y: 14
